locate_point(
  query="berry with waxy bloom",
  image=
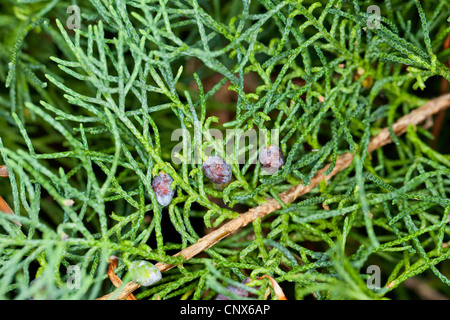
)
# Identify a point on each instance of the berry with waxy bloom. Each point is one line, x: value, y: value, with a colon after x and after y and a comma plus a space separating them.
x: 271, y: 158
x: 217, y: 170
x: 161, y: 186
x: 144, y: 273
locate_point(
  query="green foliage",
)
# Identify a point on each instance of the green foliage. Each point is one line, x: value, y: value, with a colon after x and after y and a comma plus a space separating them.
x: 86, y: 118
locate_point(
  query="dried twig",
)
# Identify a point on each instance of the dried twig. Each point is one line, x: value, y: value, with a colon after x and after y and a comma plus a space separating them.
x: 4, y: 207
x: 116, y: 281
x: 4, y: 172
x: 113, y: 262
x: 121, y: 292
x: 276, y: 287
x: 343, y: 161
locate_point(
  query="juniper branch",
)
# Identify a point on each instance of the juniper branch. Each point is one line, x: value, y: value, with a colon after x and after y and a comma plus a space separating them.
x: 383, y: 138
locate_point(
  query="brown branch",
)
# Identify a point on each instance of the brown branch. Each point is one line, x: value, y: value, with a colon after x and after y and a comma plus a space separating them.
x: 121, y: 293
x: 415, y: 117
x: 116, y: 281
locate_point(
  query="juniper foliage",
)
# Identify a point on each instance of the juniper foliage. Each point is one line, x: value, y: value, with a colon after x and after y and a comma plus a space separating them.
x: 87, y: 116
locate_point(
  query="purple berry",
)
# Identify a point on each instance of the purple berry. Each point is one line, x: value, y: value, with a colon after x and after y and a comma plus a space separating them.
x: 217, y: 170
x: 271, y: 158
x: 161, y: 187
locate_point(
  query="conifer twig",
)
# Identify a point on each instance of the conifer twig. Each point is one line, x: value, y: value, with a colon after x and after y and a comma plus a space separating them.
x: 383, y: 138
